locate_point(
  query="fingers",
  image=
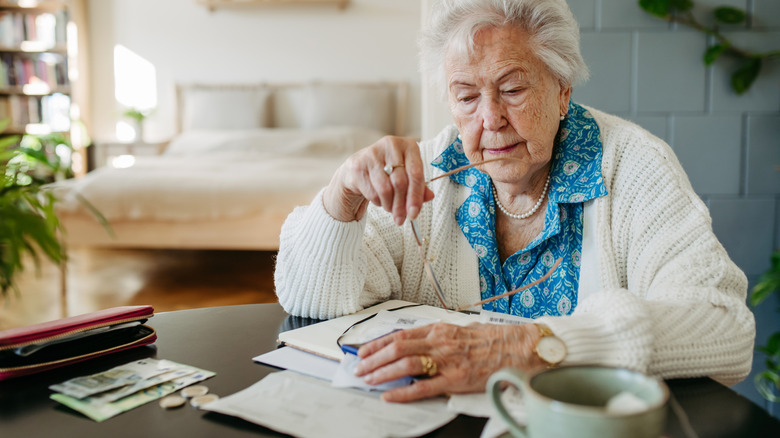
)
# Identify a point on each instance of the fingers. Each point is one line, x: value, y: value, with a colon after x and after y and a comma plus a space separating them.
x: 416, y: 188
x: 363, y: 177
x: 394, y: 195
x: 418, y: 390
x: 391, y: 357
x: 406, y: 366
x: 378, y: 344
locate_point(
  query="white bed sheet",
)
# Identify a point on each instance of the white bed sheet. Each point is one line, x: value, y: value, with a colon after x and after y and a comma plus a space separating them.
x: 212, y: 175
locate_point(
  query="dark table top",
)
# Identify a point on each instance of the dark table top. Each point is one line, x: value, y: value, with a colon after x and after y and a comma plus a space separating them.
x: 224, y: 340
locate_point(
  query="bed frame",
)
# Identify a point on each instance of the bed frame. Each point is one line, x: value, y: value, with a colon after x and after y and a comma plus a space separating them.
x: 260, y: 232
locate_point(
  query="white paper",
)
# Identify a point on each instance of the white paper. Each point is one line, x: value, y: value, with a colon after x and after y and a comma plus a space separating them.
x: 473, y: 405
x: 303, y: 406
x: 321, y: 338
x: 345, y: 377
x: 300, y: 361
x: 488, y: 317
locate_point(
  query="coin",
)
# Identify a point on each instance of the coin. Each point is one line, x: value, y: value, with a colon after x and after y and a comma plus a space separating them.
x: 172, y: 401
x: 201, y: 400
x: 194, y: 391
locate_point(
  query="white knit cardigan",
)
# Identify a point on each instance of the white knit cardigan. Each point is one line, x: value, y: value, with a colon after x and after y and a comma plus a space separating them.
x: 672, y: 303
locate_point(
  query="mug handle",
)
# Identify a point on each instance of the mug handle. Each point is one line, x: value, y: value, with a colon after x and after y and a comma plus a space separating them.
x: 515, y: 377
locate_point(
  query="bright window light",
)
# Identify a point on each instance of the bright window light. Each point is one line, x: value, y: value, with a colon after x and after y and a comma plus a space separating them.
x: 125, y: 133
x: 73, y: 50
x: 123, y: 161
x: 135, y: 80
x: 36, y: 87
x: 37, y: 129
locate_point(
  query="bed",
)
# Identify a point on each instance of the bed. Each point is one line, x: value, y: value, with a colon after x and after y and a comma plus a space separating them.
x: 243, y: 158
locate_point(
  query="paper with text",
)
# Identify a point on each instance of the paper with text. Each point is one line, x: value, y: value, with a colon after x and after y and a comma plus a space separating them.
x: 303, y: 406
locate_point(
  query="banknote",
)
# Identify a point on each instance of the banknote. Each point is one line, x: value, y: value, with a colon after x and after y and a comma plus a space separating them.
x: 114, y: 395
x: 117, y: 377
x: 100, y: 410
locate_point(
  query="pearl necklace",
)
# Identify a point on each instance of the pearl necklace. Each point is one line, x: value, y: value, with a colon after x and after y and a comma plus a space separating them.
x: 529, y: 212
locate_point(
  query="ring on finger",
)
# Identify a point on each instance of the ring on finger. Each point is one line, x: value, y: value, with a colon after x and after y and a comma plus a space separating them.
x: 429, y: 365
x: 389, y: 168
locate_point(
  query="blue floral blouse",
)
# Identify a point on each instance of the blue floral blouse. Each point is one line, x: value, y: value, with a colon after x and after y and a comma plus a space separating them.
x: 575, y: 178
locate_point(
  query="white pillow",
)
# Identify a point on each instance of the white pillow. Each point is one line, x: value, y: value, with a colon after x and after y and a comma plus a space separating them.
x: 288, y: 107
x: 365, y: 106
x: 220, y: 107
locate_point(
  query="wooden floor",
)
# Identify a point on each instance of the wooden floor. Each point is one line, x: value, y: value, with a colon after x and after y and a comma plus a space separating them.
x: 166, y: 279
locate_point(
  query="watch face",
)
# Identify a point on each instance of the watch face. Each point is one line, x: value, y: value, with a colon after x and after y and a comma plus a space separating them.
x: 551, y: 349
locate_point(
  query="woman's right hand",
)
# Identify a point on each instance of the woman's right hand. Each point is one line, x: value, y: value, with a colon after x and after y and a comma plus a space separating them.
x: 362, y: 179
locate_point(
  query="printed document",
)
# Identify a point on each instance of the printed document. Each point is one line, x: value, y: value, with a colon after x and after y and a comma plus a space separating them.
x: 303, y: 406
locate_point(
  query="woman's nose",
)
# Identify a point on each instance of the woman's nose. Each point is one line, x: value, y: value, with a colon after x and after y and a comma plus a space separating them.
x: 493, y: 114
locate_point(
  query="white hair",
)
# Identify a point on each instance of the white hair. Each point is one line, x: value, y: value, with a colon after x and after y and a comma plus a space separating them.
x: 553, y: 31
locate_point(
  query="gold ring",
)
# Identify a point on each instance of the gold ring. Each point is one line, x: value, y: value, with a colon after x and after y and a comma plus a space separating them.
x: 429, y: 366
x: 389, y: 168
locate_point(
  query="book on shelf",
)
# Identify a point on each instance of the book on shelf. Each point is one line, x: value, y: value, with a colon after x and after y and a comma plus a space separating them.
x: 51, y: 110
x: 19, y: 69
x: 41, y: 30
x: 34, y: 83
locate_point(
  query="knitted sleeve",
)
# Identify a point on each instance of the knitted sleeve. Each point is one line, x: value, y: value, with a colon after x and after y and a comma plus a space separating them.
x: 673, y: 303
x: 326, y: 268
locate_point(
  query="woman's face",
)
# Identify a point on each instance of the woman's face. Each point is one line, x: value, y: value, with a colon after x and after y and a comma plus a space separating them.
x: 505, y: 103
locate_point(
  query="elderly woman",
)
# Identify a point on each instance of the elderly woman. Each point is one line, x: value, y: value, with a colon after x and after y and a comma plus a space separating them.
x: 643, y: 282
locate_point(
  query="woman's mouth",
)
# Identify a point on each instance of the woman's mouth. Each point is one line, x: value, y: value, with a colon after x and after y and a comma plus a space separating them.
x: 501, y: 150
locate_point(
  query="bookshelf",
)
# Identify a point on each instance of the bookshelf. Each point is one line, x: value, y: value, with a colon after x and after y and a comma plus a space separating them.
x: 36, y: 65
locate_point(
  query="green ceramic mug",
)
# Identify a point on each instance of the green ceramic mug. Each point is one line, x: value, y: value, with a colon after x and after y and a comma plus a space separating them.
x: 572, y: 401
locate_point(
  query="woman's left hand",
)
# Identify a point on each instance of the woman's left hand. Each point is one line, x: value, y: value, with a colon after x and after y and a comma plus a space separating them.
x: 465, y: 357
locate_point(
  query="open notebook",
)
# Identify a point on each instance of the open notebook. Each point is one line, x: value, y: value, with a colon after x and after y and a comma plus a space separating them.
x: 321, y: 338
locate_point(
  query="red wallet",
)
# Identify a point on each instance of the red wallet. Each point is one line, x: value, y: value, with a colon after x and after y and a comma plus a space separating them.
x: 40, y: 347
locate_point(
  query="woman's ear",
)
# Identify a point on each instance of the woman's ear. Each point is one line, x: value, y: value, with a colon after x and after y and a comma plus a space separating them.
x: 565, y: 95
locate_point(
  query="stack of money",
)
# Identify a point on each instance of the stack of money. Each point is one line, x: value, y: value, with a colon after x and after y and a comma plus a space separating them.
x: 107, y: 394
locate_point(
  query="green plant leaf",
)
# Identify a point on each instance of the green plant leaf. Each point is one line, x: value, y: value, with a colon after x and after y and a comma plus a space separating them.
x: 681, y: 5
x: 768, y: 283
x: 712, y: 53
x: 729, y: 15
x: 659, y: 8
x: 97, y: 215
x: 768, y: 349
x: 768, y: 385
x: 773, y: 344
x: 663, y: 8
x: 8, y: 142
x: 743, y: 78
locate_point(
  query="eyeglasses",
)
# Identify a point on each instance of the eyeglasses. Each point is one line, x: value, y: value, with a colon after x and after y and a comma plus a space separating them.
x: 427, y: 265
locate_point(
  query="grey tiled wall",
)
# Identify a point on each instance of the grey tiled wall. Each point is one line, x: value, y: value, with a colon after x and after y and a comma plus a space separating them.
x: 651, y: 72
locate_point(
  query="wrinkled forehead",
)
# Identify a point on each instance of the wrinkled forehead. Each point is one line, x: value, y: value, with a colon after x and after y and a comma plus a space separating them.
x: 492, y: 47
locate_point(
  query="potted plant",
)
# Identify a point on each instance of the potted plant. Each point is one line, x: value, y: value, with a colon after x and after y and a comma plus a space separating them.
x: 681, y: 11
x: 137, y: 116
x: 29, y: 225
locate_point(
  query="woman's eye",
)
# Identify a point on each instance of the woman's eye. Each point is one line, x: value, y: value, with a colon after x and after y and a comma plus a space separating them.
x: 513, y: 91
x: 466, y: 99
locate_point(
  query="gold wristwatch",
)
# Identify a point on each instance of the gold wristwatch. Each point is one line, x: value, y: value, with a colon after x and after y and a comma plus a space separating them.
x: 550, y: 348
